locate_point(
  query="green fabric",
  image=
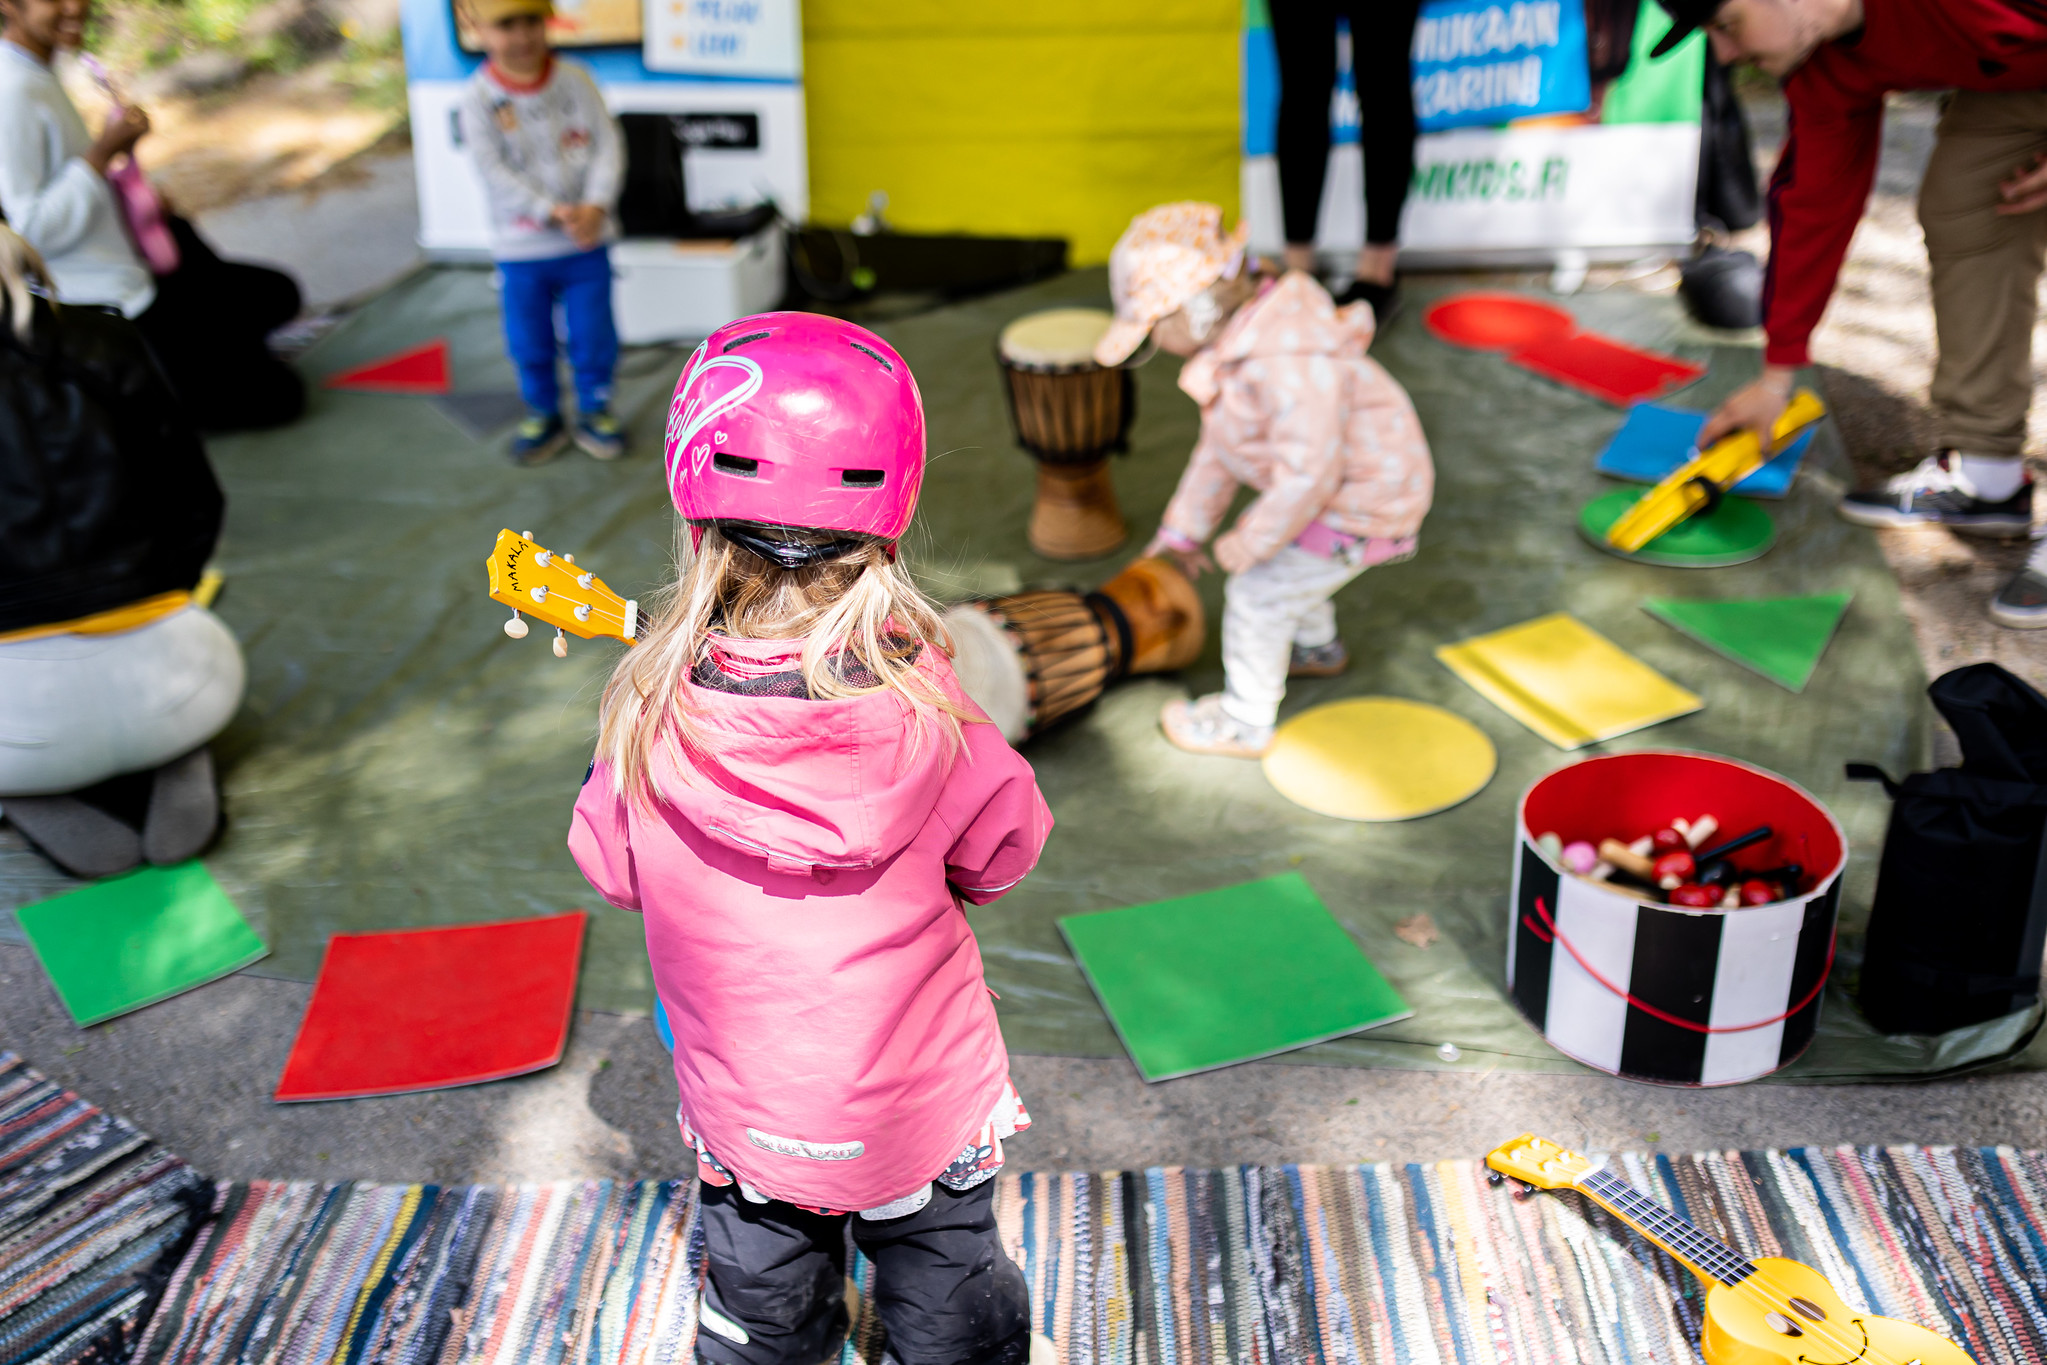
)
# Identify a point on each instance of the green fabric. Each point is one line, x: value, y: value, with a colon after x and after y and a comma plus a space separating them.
x: 1246, y: 971
x: 1781, y: 638
x: 399, y: 762
x: 131, y: 940
x: 1669, y: 89
x: 1736, y: 531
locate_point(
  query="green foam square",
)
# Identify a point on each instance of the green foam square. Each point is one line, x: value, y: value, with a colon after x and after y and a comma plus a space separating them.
x: 1229, y: 975
x: 132, y: 940
x: 1781, y: 638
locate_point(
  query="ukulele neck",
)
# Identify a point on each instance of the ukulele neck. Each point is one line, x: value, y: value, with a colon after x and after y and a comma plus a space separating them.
x: 1708, y: 1257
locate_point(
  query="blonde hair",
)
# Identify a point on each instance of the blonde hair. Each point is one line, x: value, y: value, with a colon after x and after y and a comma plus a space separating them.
x: 862, y: 609
x: 19, y: 263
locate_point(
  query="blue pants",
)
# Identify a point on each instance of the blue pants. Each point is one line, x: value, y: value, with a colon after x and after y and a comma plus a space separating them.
x: 581, y: 284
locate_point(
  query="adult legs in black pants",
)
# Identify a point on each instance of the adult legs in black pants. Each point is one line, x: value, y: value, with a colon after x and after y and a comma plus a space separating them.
x: 1382, y: 33
x: 945, y: 1291
x: 207, y: 327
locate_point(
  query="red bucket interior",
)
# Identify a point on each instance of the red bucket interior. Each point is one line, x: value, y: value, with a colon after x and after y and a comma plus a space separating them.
x: 1625, y: 796
x: 1497, y: 322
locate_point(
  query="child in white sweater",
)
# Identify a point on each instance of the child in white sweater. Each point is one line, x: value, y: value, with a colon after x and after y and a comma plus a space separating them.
x: 551, y: 160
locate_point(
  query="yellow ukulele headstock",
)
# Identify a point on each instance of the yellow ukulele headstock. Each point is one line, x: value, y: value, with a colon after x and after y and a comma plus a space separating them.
x: 1539, y: 1162
x: 530, y: 578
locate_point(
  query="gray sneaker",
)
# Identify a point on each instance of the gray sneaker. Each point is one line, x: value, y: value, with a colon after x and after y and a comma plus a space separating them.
x: 1320, y: 661
x: 2022, y: 603
x: 1934, y: 493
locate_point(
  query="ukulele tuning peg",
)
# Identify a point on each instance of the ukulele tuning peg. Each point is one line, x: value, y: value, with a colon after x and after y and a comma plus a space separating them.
x: 516, y: 627
x: 568, y: 559
x: 561, y: 645
x: 525, y: 535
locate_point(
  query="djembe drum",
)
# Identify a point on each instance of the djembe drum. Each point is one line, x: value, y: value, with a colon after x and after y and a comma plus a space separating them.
x: 1034, y: 657
x: 1070, y: 414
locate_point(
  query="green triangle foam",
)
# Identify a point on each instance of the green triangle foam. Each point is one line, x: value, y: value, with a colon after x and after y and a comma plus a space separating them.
x: 1781, y: 638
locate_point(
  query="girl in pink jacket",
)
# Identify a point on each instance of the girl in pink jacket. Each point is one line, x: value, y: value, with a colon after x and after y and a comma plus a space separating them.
x: 792, y: 788
x: 1293, y: 407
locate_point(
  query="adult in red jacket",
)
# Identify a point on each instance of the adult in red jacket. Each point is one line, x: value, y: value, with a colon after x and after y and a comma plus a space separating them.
x: 1979, y: 205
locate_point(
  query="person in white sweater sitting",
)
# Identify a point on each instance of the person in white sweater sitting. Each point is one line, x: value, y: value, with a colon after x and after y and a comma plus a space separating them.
x: 205, y: 319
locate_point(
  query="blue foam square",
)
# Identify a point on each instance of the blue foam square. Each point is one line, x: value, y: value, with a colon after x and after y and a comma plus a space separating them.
x: 1654, y: 440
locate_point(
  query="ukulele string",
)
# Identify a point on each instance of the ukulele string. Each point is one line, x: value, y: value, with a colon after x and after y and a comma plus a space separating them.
x: 1758, y: 1285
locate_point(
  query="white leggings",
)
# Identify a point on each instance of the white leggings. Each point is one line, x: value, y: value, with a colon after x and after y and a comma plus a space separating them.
x: 78, y: 709
x: 1267, y: 610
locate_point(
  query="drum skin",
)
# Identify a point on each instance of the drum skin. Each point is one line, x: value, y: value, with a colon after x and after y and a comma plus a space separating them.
x: 1069, y: 414
x: 1033, y: 658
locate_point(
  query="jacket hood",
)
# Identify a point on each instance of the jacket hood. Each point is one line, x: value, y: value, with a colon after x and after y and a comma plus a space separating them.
x: 1314, y: 325
x: 809, y: 786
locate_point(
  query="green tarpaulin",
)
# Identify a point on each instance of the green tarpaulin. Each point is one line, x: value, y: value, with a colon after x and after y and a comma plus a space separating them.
x: 401, y: 762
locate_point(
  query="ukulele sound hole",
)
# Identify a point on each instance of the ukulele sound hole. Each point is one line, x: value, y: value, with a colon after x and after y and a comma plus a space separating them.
x: 1807, y: 1309
x: 1779, y: 1323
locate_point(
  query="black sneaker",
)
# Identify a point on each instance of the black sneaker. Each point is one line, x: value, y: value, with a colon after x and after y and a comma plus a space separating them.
x: 538, y: 439
x: 2022, y: 603
x: 1934, y: 494
x: 1384, y: 298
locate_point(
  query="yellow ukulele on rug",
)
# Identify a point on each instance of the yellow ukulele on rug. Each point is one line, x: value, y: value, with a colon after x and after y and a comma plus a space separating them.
x: 1766, y: 1312
x: 531, y: 578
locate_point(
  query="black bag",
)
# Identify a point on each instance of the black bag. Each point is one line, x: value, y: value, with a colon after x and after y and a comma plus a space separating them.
x: 105, y: 493
x: 1727, y: 191
x: 1960, y: 918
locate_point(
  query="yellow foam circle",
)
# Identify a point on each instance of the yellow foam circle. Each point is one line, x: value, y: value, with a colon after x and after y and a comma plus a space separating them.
x: 1379, y: 758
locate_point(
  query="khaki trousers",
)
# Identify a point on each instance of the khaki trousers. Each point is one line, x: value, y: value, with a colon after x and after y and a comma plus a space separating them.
x: 1986, y: 269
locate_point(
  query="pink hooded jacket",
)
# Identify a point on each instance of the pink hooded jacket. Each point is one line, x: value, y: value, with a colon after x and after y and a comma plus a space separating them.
x: 1292, y: 406
x: 835, y: 1043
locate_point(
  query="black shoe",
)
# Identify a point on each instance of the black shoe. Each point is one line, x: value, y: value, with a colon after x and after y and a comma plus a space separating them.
x: 184, y: 809
x: 1385, y: 299
x: 2022, y: 603
x: 1934, y: 494
x: 539, y: 438
x: 83, y: 840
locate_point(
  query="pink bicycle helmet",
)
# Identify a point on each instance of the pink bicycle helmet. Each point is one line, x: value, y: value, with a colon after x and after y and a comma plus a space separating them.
x: 798, y: 421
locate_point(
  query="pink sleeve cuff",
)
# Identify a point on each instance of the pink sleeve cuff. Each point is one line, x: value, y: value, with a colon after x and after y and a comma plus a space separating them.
x: 1172, y: 539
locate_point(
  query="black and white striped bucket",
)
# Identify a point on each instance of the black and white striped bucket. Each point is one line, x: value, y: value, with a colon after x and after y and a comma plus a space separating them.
x: 1656, y: 992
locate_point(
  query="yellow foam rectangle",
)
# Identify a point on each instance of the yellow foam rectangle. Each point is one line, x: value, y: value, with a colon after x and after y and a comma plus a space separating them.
x: 1566, y: 681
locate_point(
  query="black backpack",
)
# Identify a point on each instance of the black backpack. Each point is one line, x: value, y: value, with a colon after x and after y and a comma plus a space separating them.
x: 106, y: 496
x: 1960, y: 918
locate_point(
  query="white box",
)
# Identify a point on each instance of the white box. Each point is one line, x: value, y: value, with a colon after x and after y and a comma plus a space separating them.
x: 454, y: 224
x: 663, y: 290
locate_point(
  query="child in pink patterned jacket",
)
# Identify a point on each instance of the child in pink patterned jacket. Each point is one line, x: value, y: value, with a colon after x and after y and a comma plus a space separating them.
x: 794, y: 791
x: 1293, y: 407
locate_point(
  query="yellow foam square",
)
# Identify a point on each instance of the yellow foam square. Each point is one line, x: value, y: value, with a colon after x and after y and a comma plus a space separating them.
x: 1566, y: 681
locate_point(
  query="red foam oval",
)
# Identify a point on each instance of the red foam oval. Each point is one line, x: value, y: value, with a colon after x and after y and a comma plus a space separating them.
x: 1497, y: 322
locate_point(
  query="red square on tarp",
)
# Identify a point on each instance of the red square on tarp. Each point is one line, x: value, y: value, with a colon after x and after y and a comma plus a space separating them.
x: 420, y: 1009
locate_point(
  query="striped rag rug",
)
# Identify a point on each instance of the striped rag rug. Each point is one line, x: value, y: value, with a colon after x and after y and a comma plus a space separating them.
x: 1339, y: 1265
x: 93, y: 1216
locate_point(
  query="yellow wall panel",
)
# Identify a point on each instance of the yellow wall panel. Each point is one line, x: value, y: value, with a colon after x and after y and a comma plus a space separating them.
x: 1057, y: 119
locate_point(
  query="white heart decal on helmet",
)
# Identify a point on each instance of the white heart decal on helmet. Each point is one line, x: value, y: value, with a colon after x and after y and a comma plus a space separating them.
x: 692, y: 414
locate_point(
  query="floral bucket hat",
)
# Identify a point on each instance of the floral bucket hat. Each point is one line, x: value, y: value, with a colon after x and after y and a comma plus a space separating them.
x: 1163, y: 259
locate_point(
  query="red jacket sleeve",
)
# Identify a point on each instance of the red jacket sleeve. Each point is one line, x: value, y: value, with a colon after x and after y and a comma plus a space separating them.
x: 600, y: 839
x: 1817, y: 196
x: 999, y: 818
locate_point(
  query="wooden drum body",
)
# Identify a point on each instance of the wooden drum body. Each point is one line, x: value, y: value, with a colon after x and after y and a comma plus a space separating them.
x: 1035, y: 657
x: 1070, y: 414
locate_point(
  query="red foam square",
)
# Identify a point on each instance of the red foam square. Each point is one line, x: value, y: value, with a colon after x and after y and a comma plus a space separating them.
x: 421, y: 1009
x: 1605, y: 368
x: 420, y: 370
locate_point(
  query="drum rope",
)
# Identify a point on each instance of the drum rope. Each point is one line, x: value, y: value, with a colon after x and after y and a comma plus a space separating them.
x: 1548, y: 932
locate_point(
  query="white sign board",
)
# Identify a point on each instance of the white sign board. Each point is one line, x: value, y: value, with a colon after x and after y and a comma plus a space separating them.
x: 1606, y: 190
x: 724, y: 38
